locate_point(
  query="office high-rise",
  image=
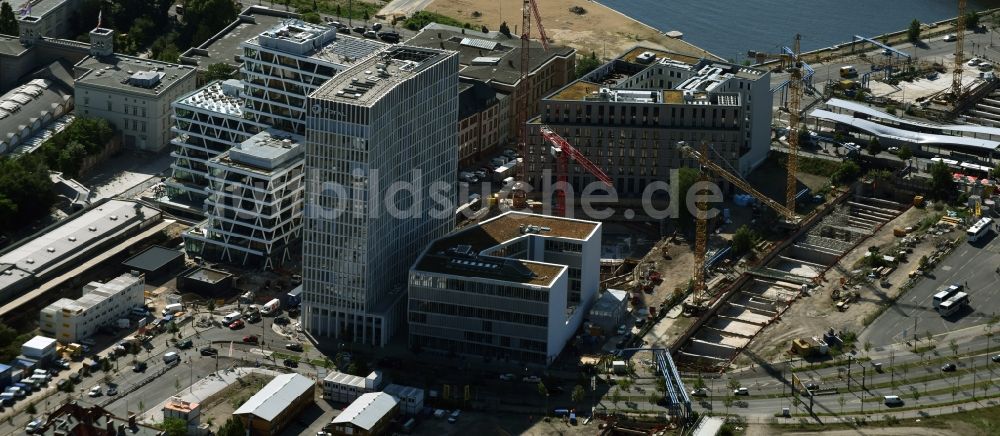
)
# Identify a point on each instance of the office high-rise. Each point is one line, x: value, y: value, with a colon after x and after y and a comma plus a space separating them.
x: 389, y: 119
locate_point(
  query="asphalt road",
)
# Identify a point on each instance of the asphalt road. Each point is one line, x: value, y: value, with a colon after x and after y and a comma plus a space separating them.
x: 971, y: 264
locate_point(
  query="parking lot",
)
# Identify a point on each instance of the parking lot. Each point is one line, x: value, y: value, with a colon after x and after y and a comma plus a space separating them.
x: 973, y: 266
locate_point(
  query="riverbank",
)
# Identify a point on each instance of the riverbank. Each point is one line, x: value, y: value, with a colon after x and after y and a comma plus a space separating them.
x: 599, y: 29
x: 928, y: 31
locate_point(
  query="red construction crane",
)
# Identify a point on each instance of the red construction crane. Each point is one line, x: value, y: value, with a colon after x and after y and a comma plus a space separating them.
x: 528, y: 8
x: 563, y: 152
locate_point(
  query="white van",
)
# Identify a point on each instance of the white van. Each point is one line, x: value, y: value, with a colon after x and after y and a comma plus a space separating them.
x: 893, y: 400
x: 508, y: 181
x: 228, y: 319
x: 171, y: 357
x: 172, y: 309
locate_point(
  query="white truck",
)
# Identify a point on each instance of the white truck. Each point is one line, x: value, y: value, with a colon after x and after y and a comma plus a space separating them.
x: 270, y: 307
x: 171, y: 309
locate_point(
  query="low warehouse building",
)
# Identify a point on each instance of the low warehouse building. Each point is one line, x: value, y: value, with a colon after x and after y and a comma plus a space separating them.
x: 206, y: 282
x: 369, y: 415
x: 411, y: 399
x: 273, y: 407
x: 39, y: 348
x: 156, y: 261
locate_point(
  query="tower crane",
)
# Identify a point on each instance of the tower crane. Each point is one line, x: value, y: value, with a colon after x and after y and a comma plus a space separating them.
x: 562, y: 151
x: 956, y: 77
x: 794, y: 69
x: 528, y: 8
x: 701, y: 221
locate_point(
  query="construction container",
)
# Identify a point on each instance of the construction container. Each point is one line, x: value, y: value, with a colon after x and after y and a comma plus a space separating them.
x: 918, y: 200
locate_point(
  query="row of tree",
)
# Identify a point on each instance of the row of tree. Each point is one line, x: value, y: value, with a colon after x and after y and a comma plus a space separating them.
x: 26, y: 193
x: 84, y: 137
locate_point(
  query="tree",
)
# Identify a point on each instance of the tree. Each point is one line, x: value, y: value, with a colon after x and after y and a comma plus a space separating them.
x: 904, y: 153
x: 175, y: 427
x: 913, y: 33
x: 625, y: 384
x: 31, y: 406
x: 311, y: 17
x: 699, y: 383
x: 728, y: 402
x: 366, y: 16
x: 868, y: 346
x: 204, y: 18
x: 220, y: 71
x: 841, y: 401
x: 8, y: 22
x: 874, y: 147
x: 743, y: 240
x: 586, y: 64
x: 733, y: 384
x: 972, y: 20
x: 544, y: 392
x: 942, y: 183
x: 232, y: 427
x: 954, y: 347
x: 505, y: 30
x: 846, y: 172
x: 578, y: 393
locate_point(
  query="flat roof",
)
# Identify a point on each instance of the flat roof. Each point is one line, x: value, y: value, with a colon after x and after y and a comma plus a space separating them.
x: 268, y: 149
x: 153, y: 258
x: 39, y: 342
x: 224, y: 47
x: 367, y: 410
x: 137, y: 75
x: 208, y: 275
x: 610, y: 300
x: 316, y: 42
x: 476, y: 48
x: 368, y: 81
x: 888, y: 132
x: 633, y: 54
x: 498, y: 231
x: 75, y: 234
x: 11, y: 46
x: 39, y: 8
x: 220, y: 97
x: 280, y: 393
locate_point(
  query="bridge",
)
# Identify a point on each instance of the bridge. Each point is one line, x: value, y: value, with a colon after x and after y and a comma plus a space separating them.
x: 678, y: 401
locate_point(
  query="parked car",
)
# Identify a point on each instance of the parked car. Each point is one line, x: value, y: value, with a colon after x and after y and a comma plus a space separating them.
x: 532, y: 379
x: 96, y: 391
x: 973, y: 62
x: 139, y: 367
x: 112, y: 391
x: 185, y: 344
x: 700, y: 392
x: 741, y: 391
x: 812, y: 386
x: 237, y: 324
x: 453, y: 418
x: 949, y: 37
x: 33, y: 426
x: 506, y: 377
x: 996, y: 358
x: 252, y: 339
x: 294, y: 346
x: 370, y: 34
x: 360, y: 29
x: 949, y: 367
x: 281, y: 320
x: 291, y: 363
x: 209, y: 351
x: 391, y: 37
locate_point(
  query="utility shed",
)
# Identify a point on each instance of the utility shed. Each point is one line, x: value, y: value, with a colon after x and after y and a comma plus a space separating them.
x: 273, y: 407
x: 39, y: 348
x: 369, y: 415
x: 156, y: 261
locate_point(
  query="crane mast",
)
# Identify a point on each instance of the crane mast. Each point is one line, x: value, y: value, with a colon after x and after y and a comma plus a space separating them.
x: 956, y: 78
x: 794, y: 106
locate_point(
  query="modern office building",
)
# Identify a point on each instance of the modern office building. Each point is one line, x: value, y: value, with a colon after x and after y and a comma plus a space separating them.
x: 494, y: 59
x: 283, y: 65
x: 390, y: 119
x: 133, y: 94
x: 207, y: 122
x: 254, y: 204
x: 514, y: 288
x: 628, y: 115
x: 101, y: 304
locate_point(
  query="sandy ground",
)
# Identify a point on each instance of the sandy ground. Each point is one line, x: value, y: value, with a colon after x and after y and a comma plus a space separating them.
x: 812, y: 315
x: 601, y: 30
x: 922, y: 88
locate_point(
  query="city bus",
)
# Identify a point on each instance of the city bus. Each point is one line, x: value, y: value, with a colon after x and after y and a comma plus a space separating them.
x: 979, y: 229
x: 945, y: 293
x: 953, y: 304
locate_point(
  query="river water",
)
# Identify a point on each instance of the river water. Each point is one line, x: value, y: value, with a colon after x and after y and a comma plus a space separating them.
x: 728, y: 28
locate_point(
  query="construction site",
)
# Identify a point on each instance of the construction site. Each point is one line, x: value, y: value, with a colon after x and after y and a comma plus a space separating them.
x: 764, y: 293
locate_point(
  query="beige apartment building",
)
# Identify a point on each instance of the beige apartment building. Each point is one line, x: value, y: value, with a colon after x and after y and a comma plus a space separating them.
x: 133, y: 94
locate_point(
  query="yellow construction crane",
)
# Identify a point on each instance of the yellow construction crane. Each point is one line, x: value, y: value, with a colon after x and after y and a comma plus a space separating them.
x: 701, y: 220
x: 794, y: 67
x: 956, y: 78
